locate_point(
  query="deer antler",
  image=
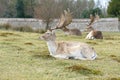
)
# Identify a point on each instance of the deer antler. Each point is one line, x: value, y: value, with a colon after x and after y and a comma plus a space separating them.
x: 61, y: 22
x: 97, y: 17
x: 65, y: 20
x: 93, y: 19
x: 68, y: 17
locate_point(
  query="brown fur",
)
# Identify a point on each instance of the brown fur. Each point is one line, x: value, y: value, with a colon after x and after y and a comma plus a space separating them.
x: 72, y: 31
x: 97, y: 34
x: 61, y: 48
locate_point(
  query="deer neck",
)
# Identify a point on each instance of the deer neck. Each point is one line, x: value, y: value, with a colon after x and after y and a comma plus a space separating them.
x: 52, y: 46
x: 66, y: 30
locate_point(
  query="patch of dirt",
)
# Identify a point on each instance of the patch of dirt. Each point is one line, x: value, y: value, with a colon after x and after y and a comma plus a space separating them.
x: 28, y: 43
x: 83, y: 70
x: 115, y: 58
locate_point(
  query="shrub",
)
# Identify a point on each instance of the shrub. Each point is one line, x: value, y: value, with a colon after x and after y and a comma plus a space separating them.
x: 23, y: 29
x: 5, y: 26
x: 39, y: 31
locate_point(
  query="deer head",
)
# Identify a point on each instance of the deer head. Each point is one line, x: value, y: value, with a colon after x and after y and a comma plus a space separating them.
x: 64, y: 21
x: 93, y: 19
x: 49, y: 36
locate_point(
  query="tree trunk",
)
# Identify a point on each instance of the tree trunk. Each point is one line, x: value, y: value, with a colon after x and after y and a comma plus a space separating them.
x: 119, y: 25
x: 47, y: 25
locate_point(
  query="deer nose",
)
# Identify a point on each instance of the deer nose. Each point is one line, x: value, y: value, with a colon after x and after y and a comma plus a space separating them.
x: 41, y: 37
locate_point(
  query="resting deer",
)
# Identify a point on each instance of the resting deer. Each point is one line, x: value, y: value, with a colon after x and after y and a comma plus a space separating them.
x: 93, y: 34
x: 65, y: 20
x: 72, y: 31
x: 68, y: 50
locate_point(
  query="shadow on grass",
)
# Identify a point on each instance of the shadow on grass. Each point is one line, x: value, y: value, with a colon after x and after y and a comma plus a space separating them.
x: 43, y: 56
x: 99, y: 58
x: 83, y: 70
x: 113, y: 78
x: 115, y: 58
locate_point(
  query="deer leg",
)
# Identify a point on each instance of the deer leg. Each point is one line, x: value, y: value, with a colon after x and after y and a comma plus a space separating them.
x: 61, y: 56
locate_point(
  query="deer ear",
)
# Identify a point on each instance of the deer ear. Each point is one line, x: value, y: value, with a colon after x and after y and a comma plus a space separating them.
x: 53, y: 31
x: 49, y: 30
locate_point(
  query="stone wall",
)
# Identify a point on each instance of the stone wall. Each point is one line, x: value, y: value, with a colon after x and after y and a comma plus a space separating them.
x: 104, y: 24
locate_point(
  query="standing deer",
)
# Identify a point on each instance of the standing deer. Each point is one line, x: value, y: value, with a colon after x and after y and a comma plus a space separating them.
x: 68, y: 50
x: 93, y: 34
x: 65, y: 20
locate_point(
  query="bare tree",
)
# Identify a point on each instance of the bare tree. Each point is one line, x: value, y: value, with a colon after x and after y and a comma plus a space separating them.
x: 47, y: 10
x: 29, y: 8
x: 3, y: 6
x: 8, y: 8
x: 91, y: 4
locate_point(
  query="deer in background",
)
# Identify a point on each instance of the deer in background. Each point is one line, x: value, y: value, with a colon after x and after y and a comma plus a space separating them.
x: 65, y: 20
x: 93, y: 34
x: 67, y: 50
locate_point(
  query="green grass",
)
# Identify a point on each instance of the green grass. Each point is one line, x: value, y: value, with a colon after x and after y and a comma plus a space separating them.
x: 23, y: 56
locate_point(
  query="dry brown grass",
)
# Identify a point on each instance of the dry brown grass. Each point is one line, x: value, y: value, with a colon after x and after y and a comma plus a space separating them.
x: 28, y: 43
x: 83, y: 70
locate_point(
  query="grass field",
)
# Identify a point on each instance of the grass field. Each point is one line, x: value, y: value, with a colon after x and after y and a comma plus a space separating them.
x: 25, y: 57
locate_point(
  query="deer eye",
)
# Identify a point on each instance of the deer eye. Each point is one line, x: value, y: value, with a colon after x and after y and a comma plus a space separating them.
x: 48, y: 33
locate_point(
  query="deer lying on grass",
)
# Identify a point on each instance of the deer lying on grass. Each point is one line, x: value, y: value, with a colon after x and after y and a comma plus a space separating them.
x: 93, y: 34
x: 65, y: 20
x: 68, y: 50
x: 72, y: 31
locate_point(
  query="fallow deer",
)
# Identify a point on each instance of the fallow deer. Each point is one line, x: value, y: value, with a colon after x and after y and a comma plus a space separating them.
x: 75, y: 31
x: 65, y: 20
x: 68, y: 50
x: 93, y: 34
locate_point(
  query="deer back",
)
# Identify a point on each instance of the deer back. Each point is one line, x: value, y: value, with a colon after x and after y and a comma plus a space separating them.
x: 97, y: 34
x: 75, y: 31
